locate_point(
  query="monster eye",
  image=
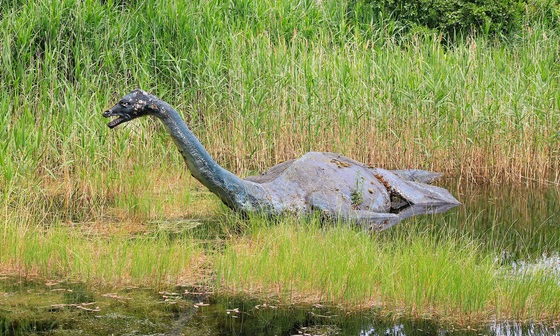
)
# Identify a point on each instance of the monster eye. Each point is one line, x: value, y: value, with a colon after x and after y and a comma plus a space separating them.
x: 124, y: 104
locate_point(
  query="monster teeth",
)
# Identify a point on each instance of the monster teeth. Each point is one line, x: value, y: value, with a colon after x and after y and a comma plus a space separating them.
x: 115, y: 122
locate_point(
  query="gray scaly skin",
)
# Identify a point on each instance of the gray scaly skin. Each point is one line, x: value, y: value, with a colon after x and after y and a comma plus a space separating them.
x: 339, y: 187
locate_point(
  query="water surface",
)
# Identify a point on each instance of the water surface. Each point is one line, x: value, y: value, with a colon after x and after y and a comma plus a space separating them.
x: 518, y: 223
x: 60, y: 308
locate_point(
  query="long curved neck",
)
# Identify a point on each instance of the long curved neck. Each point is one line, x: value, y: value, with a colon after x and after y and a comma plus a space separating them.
x: 232, y: 190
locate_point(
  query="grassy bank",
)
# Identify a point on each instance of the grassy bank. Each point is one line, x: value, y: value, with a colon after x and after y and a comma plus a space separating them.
x: 113, y: 261
x: 454, y: 267
x: 415, y: 275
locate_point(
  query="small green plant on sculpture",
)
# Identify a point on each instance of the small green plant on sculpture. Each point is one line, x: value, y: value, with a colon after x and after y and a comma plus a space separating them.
x: 356, y: 195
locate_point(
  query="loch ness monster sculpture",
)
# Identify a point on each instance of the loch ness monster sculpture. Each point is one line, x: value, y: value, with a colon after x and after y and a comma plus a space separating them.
x: 338, y: 187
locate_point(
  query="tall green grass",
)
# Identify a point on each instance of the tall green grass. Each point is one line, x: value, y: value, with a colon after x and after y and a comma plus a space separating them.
x: 116, y: 260
x: 412, y: 275
x: 262, y: 82
x: 416, y: 275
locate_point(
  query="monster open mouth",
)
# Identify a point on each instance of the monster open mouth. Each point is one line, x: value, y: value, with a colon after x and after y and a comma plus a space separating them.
x: 121, y: 118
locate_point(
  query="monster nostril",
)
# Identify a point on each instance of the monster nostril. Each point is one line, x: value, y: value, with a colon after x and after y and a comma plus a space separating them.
x: 107, y: 113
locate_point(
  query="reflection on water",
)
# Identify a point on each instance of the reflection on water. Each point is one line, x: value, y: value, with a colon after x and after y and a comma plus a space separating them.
x: 514, y: 329
x: 515, y: 223
x: 549, y: 263
x: 58, y: 308
x: 422, y: 329
x: 324, y: 321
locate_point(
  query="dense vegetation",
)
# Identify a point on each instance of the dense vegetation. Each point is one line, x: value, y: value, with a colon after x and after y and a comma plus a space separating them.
x: 260, y: 82
x: 449, y: 17
x: 263, y: 82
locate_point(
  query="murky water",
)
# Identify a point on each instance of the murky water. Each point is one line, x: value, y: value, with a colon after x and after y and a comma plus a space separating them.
x: 521, y: 226
x: 518, y: 223
x: 59, y: 308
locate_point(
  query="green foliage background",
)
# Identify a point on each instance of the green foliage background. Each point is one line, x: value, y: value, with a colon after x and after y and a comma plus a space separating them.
x: 321, y: 74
